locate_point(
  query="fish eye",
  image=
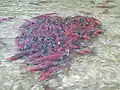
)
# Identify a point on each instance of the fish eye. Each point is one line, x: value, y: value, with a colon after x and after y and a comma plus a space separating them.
x: 78, y: 33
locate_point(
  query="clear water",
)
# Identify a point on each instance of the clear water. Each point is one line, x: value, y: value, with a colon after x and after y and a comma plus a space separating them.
x: 94, y: 72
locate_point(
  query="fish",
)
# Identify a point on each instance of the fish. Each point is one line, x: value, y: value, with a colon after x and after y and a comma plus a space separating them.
x: 47, y: 41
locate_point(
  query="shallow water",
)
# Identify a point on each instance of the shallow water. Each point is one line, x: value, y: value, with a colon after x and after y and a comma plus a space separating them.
x: 94, y: 72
